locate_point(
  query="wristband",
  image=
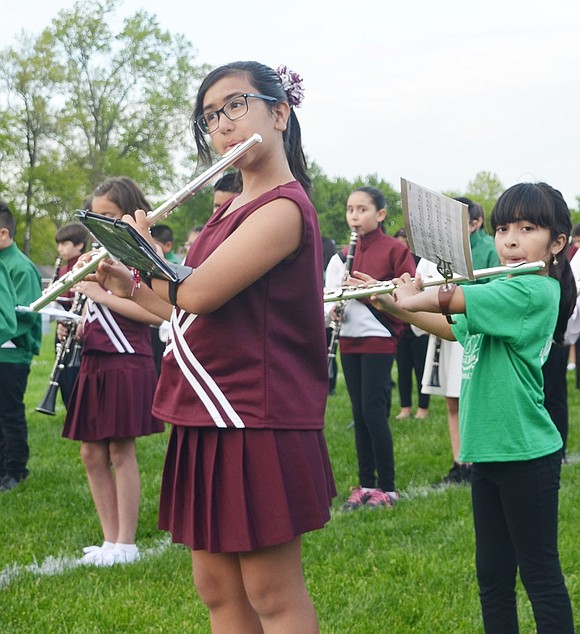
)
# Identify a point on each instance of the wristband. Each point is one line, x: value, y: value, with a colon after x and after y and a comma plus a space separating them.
x: 172, y: 290
x: 445, y: 294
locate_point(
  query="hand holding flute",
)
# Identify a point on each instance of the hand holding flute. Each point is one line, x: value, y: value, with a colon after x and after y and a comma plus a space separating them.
x: 115, y: 276
x: 408, y: 294
x: 408, y: 301
x: 161, y: 212
x: 412, y: 300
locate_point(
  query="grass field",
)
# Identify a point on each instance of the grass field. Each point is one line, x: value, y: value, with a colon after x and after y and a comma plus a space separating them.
x: 407, y: 569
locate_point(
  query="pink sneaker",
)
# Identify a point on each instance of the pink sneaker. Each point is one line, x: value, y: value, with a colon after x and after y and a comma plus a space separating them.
x: 380, y: 498
x: 356, y: 499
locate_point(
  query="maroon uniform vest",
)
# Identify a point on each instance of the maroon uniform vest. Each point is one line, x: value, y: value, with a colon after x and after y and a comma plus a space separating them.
x: 383, y: 257
x: 108, y: 331
x: 69, y: 294
x: 259, y: 360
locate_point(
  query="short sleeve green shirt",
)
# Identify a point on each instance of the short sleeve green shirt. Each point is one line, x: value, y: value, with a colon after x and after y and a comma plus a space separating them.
x: 506, y: 334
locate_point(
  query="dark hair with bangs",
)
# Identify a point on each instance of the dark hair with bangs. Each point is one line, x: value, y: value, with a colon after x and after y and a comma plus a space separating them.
x: 544, y: 206
x: 74, y: 232
x: 266, y: 81
x: 123, y: 192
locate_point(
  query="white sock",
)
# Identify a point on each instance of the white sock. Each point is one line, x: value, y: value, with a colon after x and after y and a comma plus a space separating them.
x: 108, y: 545
x: 127, y: 548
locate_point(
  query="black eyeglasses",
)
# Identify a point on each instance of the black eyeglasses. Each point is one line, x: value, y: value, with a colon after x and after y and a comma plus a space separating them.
x: 234, y: 109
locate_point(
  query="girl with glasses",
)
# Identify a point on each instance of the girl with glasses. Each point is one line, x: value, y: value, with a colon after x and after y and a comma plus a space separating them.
x: 244, y: 379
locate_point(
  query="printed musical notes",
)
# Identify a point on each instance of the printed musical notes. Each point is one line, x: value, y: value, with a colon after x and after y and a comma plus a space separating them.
x: 437, y: 228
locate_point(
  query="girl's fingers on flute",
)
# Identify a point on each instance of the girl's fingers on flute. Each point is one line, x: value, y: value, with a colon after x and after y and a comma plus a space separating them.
x: 358, y: 276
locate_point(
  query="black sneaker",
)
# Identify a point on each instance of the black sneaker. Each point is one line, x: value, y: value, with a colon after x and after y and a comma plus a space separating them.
x: 458, y: 474
x: 8, y: 483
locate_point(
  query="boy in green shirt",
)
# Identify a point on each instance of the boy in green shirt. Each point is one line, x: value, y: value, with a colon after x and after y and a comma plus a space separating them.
x: 20, y: 338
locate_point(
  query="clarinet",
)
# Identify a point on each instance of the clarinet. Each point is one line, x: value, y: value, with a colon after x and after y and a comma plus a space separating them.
x: 57, y: 265
x: 336, y: 323
x: 67, y: 355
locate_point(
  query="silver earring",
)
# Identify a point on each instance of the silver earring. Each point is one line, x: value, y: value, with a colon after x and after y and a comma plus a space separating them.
x: 554, y: 260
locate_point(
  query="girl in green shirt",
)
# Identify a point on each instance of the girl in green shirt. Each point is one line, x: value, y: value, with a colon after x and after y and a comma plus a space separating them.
x: 506, y: 328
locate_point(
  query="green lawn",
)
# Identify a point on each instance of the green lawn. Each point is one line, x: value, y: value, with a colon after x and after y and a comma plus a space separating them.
x: 407, y: 569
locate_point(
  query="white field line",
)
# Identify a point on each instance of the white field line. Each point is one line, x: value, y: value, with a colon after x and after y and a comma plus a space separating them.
x: 52, y: 565
x: 58, y: 565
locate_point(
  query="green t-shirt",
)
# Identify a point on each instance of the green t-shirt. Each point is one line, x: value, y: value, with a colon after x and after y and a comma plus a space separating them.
x: 7, y: 304
x: 171, y: 257
x: 25, y: 341
x: 506, y: 334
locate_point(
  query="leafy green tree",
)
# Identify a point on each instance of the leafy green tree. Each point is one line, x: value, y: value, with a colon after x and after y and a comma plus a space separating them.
x: 84, y: 102
x: 29, y: 73
x: 485, y: 189
x: 330, y: 196
x: 128, y: 94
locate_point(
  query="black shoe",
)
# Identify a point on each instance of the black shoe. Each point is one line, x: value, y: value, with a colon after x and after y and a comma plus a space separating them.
x: 8, y: 483
x: 458, y: 474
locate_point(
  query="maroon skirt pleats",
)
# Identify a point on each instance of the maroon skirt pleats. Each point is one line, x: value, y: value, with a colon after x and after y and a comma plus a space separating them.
x: 236, y: 490
x: 112, y: 398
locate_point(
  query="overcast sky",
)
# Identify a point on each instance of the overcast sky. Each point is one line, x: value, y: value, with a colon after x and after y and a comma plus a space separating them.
x: 434, y: 91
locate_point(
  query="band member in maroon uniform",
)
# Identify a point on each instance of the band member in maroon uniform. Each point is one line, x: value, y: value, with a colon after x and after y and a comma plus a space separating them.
x: 244, y: 378
x: 111, y: 402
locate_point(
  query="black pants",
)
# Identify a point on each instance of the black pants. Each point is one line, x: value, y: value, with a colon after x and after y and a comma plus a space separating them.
x: 411, y: 351
x: 369, y: 383
x: 13, y: 429
x: 515, y: 511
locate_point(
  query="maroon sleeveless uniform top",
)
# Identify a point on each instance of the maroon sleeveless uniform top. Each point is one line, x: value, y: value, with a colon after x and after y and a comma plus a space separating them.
x: 108, y: 331
x: 383, y: 257
x: 258, y: 361
x: 69, y: 294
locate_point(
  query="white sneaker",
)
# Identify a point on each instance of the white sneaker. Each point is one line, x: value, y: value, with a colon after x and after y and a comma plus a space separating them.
x: 110, y: 557
x: 124, y: 556
x: 93, y: 557
x: 90, y: 549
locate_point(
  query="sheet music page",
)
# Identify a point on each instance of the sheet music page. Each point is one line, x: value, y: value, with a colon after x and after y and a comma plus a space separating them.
x: 437, y: 227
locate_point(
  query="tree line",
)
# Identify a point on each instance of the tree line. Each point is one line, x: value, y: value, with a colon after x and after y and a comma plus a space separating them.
x: 83, y: 101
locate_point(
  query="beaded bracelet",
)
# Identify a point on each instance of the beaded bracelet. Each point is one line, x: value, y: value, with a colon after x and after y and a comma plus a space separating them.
x: 136, y: 275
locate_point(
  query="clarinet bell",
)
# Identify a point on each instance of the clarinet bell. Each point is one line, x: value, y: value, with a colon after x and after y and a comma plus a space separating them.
x: 47, y: 406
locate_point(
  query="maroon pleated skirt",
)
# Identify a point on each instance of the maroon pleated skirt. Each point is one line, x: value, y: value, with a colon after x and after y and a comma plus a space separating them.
x: 112, y: 398
x: 236, y: 490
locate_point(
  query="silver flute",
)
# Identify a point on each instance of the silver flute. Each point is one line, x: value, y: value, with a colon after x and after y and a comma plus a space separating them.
x: 360, y: 292
x: 77, y: 274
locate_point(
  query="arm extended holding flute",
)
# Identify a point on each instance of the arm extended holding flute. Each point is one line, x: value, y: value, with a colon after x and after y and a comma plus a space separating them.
x: 89, y: 265
x: 269, y: 236
x: 415, y: 305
